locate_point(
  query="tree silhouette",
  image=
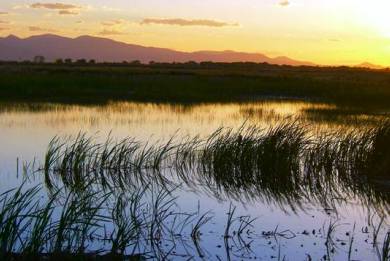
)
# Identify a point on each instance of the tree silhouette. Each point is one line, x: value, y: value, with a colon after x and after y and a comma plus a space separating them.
x: 39, y: 59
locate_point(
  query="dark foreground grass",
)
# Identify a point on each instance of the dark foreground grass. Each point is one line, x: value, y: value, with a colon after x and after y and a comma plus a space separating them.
x: 170, y: 83
x: 69, y: 223
x: 87, y: 225
x: 115, y: 200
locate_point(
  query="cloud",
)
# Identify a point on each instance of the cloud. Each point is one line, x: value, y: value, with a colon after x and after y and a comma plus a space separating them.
x: 112, y: 22
x: 21, y: 6
x: 3, y: 28
x: 284, y: 3
x: 67, y: 12
x: 185, y: 22
x: 110, y: 32
x: 54, y: 6
x: 3, y: 13
x: 63, y: 9
x: 110, y: 9
x: 40, y: 29
x: 4, y: 22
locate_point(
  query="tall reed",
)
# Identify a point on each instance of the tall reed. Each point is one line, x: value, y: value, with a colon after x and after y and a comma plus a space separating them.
x: 285, y: 163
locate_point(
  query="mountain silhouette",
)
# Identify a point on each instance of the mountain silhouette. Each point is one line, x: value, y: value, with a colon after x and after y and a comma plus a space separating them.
x: 370, y: 66
x: 52, y: 47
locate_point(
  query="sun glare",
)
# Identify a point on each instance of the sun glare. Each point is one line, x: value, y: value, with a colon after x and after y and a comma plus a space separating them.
x: 376, y: 15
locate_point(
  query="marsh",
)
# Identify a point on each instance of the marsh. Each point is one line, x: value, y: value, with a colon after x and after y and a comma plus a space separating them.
x: 268, y: 179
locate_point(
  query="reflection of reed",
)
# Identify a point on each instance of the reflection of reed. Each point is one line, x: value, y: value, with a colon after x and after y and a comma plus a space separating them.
x: 70, y: 221
x: 132, y: 114
x: 283, y: 164
x: 343, y: 115
x: 141, y: 224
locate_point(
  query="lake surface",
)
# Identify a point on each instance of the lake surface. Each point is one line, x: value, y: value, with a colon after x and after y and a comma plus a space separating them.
x: 288, y: 226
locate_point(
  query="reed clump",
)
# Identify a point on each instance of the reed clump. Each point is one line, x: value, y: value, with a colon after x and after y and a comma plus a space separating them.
x: 85, y: 224
x: 285, y: 162
x: 119, y: 193
x: 71, y: 223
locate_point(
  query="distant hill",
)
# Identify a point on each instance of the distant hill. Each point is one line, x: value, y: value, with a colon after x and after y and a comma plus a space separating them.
x: 53, y: 47
x: 369, y: 66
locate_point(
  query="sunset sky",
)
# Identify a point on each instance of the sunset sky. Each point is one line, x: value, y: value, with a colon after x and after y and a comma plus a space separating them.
x: 321, y: 31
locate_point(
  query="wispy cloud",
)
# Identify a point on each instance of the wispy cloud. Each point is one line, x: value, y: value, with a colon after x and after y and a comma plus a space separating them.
x: 4, y: 22
x: 284, y: 3
x: 67, y: 12
x: 106, y: 32
x: 54, y: 6
x: 63, y: 9
x: 112, y: 22
x: 110, y: 9
x: 3, y: 28
x: 40, y: 29
x: 3, y: 13
x: 185, y: 22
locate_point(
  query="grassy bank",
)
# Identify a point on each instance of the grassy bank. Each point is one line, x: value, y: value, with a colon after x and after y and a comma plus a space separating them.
x: 196, y: 83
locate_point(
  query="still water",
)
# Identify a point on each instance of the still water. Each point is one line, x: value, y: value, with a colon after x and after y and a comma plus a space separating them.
x: 283, y: 228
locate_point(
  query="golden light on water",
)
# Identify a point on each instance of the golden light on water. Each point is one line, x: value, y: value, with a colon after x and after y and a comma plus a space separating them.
x: 128, y: 118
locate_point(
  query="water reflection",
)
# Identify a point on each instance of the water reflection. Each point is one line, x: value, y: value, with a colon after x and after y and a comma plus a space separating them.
x: 128, y: 113
x: 282, y: 165
x: 303, y: 177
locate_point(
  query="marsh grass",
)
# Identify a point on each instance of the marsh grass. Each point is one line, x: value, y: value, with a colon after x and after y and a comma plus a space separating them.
x: 285, y: 162
x: 82, y: 223
x: 329, y: 233
x: 351, y: 240
x: 386, y: 247
x: 127, y: 220
x: 196, y: 232
x: 144, y: 223
x: 68, y: 223
x: 202, y: 83
x: 16, y: 206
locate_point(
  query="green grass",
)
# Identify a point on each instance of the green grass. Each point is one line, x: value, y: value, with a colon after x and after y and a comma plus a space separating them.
x: 169, y: 83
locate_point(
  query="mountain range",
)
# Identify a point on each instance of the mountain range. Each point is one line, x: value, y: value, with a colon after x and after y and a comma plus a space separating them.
x: 53, y: 47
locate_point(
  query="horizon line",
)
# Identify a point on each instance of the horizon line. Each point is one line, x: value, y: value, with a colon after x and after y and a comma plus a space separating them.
x: 313, y: 64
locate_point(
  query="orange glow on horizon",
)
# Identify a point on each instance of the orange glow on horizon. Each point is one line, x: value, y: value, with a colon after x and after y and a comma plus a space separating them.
x: 324, y: 32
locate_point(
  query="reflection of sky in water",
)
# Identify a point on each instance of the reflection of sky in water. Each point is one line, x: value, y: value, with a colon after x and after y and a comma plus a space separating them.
x: 26, y: 132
